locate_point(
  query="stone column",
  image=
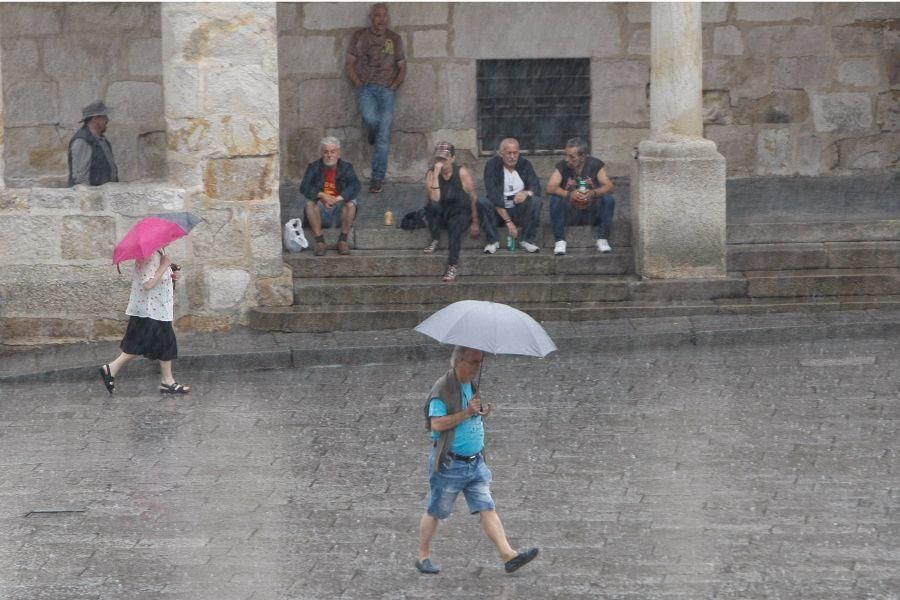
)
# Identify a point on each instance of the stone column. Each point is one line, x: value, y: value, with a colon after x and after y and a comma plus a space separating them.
x: 678, y: 208
x: 2, y: 125
x: 220, y: 81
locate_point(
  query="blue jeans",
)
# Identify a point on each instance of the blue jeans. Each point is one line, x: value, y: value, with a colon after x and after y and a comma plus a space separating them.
x: 526, y: 216
x: 376, y: 104
x: 472, y: 479
x: 599, y: 213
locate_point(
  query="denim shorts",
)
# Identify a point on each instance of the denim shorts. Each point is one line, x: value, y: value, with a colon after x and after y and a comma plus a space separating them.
x: 472, y: 479
x: 331, y: 217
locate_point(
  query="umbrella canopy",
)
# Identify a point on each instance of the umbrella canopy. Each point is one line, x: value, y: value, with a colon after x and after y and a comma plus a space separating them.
x: 185, y: 220
x: 152, y: 233
x: 488, y: 326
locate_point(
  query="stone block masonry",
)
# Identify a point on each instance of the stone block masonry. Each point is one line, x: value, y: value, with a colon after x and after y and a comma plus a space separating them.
x: 766, y: 66
x: 217, y: 105
x: 59, y: 57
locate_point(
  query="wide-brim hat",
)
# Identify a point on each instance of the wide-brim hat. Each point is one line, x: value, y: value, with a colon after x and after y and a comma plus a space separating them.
x: 94, y: 109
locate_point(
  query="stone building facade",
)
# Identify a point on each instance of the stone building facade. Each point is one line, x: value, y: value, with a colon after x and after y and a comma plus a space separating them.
x: 215, y: 105
x: 789, y: 88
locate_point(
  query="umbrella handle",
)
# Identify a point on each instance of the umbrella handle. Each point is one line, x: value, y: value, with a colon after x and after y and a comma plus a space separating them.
x: 478, y: 385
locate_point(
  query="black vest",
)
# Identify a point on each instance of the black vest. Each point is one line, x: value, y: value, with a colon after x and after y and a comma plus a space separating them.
x: 101, y: 170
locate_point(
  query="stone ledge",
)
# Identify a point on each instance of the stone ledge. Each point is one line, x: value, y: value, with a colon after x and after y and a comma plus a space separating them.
x: 243, y: 349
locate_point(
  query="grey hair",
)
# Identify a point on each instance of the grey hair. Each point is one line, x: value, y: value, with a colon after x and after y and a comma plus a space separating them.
x: 579, y: 144
x: 330, y: 140
x: 457, y: 355
x: 378, y: 5
x: 505, y: 142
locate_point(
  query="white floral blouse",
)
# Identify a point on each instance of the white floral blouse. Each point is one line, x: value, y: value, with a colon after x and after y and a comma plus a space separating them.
x: 157, y: 303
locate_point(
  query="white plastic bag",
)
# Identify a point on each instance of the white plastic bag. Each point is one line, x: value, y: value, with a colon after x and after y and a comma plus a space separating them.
x: 294, y: 239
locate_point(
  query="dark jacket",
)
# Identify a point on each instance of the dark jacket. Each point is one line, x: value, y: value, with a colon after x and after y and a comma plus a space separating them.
x: 314, y: 180
x: 493, y: 179
x: 101, y: 170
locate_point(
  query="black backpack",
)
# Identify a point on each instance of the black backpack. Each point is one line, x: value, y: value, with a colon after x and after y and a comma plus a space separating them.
x: 413, y: 220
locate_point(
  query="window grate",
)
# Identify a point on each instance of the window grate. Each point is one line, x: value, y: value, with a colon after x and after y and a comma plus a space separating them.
x: 540, y: 102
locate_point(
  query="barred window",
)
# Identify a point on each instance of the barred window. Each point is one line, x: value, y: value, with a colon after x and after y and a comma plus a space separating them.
x: 540, y: 102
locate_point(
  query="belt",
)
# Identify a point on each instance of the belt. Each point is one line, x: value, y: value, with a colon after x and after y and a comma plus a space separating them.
x: 467, y: 459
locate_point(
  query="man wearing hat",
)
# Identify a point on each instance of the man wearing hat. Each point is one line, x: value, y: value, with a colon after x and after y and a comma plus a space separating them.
x: 90, y: 155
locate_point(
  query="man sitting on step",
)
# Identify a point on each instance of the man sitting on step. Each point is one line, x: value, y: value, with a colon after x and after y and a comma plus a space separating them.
x: 513, y: 197
x: 582, y: 195
x: 331, y: 187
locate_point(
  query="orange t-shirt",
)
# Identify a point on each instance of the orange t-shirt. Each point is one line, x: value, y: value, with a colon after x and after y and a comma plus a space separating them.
x: 330, y: 181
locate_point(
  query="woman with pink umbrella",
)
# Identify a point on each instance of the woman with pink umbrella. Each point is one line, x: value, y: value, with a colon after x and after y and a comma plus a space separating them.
x: 152, y: 301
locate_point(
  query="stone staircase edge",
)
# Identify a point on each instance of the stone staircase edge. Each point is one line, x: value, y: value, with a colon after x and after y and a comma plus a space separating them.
x: 742, y: 332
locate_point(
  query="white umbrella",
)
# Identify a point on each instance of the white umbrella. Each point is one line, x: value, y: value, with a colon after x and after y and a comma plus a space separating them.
x: 488, y: 326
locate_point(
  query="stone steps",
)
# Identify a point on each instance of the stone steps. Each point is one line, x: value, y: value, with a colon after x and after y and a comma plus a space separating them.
x: 369, y: 303
x: 373, y: 237
x: 581, y: 260
x: 394, y: 238
x: 319, y: 319
x: 414, y: 263
x: 508, y: 289
x: 786, y: 254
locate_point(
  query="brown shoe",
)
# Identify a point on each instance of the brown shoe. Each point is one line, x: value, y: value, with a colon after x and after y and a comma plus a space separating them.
x: 319, y: 249
x: 343, y: 247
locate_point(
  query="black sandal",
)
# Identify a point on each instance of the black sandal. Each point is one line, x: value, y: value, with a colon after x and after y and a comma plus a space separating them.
x: 108, y: 380
x: 175, y: 388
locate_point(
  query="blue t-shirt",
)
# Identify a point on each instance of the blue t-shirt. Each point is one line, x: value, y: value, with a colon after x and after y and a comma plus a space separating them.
x: 469, y: 439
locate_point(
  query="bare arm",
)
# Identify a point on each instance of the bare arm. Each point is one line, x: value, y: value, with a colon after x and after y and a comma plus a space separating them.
x: 450, y: 421
x: 400, y: 76
x: 607, y: 186
x: 553, y: 186
x: 433, y: 183
x: 164, y: 263
x: 469, y: 185
x: 350, y: 70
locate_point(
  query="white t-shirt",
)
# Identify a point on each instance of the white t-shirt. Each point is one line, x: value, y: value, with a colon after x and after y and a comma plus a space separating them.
x: 158, y: 303
x: 512, y: 185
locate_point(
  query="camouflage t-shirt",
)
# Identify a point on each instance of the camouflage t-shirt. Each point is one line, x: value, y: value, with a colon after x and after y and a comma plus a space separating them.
x: 376, y: 55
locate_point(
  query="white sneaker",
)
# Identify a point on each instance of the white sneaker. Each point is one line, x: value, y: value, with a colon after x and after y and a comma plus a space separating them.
x: 529, y: 247
x: 603, y: 246
x: 559, y: 248
x: 491, y: 248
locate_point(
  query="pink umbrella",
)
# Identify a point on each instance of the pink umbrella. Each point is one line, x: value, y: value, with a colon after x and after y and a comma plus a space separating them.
x: 148, y: 236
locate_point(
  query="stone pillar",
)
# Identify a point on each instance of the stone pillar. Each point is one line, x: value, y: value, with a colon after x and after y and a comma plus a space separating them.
x: 678, y: 208
x: 2, y: 124
x: 220, y: 81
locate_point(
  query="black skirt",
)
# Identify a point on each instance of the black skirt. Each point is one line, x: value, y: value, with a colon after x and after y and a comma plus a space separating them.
x: 150, y: 338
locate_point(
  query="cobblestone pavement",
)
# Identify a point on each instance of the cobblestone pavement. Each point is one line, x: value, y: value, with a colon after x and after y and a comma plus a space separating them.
x: 742, y: 472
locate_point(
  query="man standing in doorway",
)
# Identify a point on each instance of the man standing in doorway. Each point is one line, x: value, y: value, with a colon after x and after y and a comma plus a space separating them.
x: 376, y: 66
x: 454, y: 415
x: 90, y: 155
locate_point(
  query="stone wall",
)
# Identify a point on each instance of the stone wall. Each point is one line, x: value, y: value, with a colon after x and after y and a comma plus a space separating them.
x: 56, y: 280
x: 59, y: 57
x: 790, y: 89
x: 218, y: 109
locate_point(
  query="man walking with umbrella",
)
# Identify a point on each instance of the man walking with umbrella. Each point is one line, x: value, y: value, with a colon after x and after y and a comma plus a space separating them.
x: 453, y: 415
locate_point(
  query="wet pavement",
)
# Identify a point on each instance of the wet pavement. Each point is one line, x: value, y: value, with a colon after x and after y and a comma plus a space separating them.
x: 741, y: 471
